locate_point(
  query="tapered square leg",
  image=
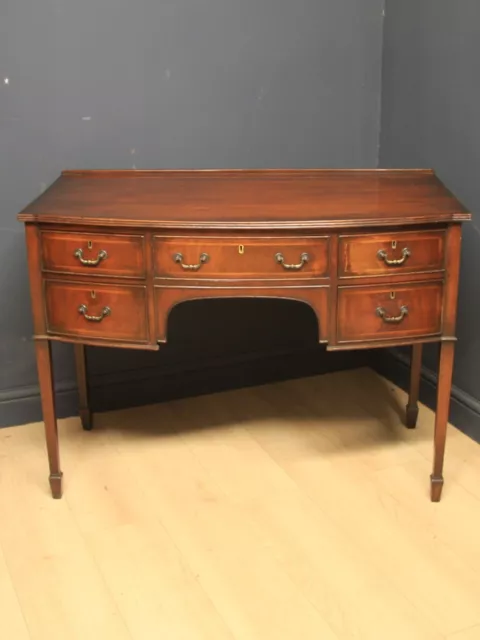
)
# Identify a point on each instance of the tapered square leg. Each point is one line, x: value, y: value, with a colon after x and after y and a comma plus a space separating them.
x: 436, y: 486
x: 81, y: 369
x: 411, y: 413
x: 45, y: 379
x: 411, y: 417
x: 56, y: 488
x: 85, y: 419
x: 444, y: 388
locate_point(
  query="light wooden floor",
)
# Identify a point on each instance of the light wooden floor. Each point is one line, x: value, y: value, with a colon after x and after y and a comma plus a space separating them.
x: 292, y: 511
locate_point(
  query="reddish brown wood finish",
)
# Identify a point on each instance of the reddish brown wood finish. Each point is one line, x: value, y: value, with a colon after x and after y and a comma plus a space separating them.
x: 149, y: 281
x: 398, y: 278
x: 444, y: 387
x: 239, y: 257
x: 415, y: 372
x: 124, y: 254
x: 452, y: 275
x: 44, y: 360
x: 417, y: 251
x: 242, y: 220
x: 47, y: 395
x: 445, y: 369
x: 360, y: 319
x: 126, y: 319
x: 333, y: 301
x: 32, y: 237
x: 246, y: 199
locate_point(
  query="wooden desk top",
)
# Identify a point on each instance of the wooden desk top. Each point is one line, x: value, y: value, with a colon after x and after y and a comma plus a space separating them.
x: 246, y: 199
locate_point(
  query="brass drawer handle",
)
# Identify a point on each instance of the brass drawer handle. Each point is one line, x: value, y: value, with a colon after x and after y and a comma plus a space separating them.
x: 83, y: 310
x: 393, y: 319
x: 382, y: 255
x: 178, y: 257
x: 304, y: 258
x: 102, y: 255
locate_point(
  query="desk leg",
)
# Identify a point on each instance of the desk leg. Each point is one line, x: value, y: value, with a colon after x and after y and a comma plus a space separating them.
x: 415, y: 370
x: 45, y: 378
x: 81, y: 367
x: 441, y: 417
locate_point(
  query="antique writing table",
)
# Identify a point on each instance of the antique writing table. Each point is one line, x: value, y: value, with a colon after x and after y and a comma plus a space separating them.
x: 375, y: 253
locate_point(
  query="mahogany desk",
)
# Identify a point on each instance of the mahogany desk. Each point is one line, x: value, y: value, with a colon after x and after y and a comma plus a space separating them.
x: 375, y: 253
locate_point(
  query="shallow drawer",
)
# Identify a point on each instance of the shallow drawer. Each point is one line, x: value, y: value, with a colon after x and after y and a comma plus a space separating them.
x: 381, y: 313
x: 387, y: 253
x: 209, y: 257
x: 93, y: 254
x: 114, y: 312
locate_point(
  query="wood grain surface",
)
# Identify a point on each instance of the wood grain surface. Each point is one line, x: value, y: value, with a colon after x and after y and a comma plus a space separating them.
x: 272, y: 199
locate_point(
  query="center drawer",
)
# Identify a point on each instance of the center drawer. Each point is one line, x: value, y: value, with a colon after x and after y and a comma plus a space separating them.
x: 110, y: 312
x: 218, y: 257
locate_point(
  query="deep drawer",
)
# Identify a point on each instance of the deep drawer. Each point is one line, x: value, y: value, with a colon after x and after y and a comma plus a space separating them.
x: 385, y: 312
x: 391, y: 253
x: 93, y: 253
x: 98, y: 311
x: 241, y: 257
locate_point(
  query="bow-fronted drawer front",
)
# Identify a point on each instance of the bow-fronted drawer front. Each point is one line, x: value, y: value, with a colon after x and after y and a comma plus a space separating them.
x: 109, y: 312
x: 93, y: 254
x: 391, y: 253
x: 241, y: 257
x: 389, y: 312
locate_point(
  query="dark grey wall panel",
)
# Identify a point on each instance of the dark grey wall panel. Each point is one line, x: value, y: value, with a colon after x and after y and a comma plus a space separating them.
x: 176, y: 83
x: 430, y: 118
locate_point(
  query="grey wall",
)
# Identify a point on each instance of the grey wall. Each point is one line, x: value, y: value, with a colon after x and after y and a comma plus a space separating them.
x: 174, y: 83
x: 430, y: 118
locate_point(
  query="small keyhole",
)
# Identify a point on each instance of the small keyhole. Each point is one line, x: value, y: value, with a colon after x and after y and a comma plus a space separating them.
x: 93, y: 294
x: 241, y: 249
x: 394, y: 244
x: 89, y: 244
x: 392, y: 295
